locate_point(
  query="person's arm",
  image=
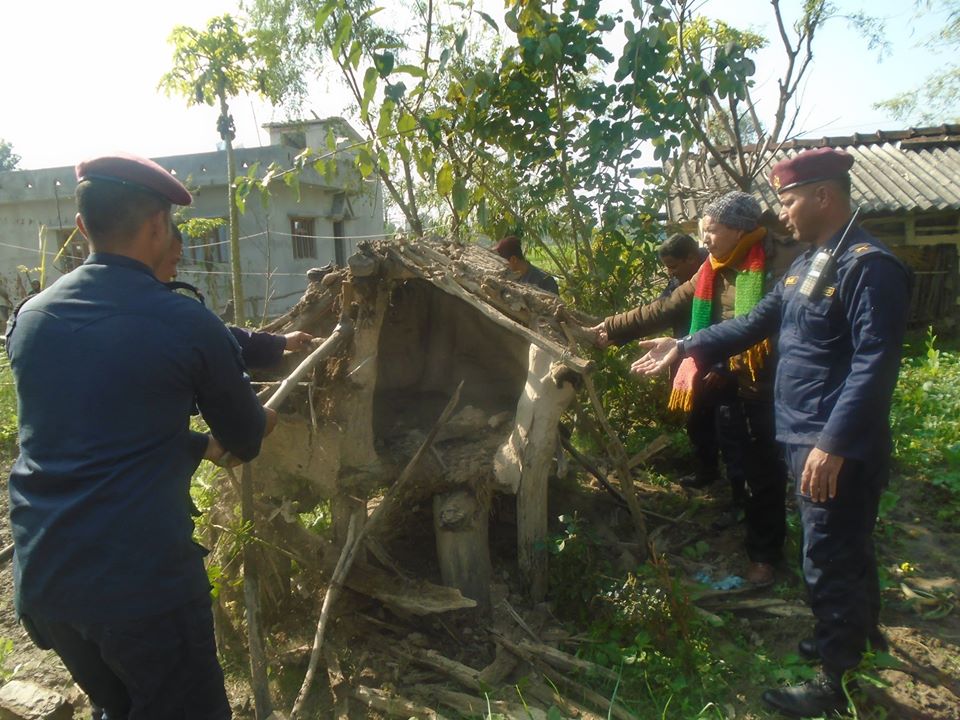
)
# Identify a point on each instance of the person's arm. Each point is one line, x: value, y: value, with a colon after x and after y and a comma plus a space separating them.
x: 653, y: 317
x: 224, y: 396
x: 259, y: 349
x: 717, y: 342
x: 877, y: 309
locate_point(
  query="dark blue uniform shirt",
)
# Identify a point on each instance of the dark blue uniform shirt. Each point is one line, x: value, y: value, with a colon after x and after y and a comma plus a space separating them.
x: 259, y: 349
x: 839, y: 352
x: 108, y: 363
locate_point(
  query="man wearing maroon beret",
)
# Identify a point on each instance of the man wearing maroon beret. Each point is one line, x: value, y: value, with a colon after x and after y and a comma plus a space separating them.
x: 841, y: 312
x: 108, y: 364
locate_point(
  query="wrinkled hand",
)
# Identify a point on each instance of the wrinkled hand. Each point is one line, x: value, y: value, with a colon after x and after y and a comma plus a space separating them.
x: 600, y: 337
x: 662, y: 354
x: 298, y: 341
x: 820, y: 473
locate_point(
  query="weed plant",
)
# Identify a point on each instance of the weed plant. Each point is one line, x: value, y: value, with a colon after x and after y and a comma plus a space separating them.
x: 925, y: 419
x: 8, y: 408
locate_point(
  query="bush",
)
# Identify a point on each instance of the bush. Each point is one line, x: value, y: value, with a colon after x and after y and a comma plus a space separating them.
x: 926, y: 433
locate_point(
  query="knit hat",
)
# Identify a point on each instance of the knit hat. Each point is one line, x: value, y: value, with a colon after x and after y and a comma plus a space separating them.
x: 738, y: 210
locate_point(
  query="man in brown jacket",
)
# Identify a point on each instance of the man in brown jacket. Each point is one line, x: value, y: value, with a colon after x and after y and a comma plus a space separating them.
x: 745, y: 262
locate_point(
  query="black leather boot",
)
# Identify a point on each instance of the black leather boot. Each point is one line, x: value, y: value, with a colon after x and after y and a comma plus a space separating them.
x: 822, y: 695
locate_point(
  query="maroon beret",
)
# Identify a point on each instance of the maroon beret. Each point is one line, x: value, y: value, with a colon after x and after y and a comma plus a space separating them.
x: 810, y: 166
x: 135, y: 171
x: 509, y: 247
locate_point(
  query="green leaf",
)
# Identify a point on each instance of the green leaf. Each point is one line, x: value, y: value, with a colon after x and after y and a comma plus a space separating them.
x: 356, y: 52
x: 384, y: 63
x: 414, y: 70
x: 445, y: 179
x: 556, y: 45
x: 364, y: 161
x: 407, y: 123
x: 385, y: 124
x: 369, y: 88
x: 490, y: 21
x: 510, y: 18
x: 331, y: 140
x: 324, y: 12
x: 344, y: 28
x: 461, y: 198
x: 395, y: 90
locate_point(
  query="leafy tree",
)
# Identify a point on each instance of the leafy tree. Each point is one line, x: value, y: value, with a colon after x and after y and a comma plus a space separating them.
x: 714, y: 71
x: 209, y: 67
x: 8, y: 158
x: 938, y: 97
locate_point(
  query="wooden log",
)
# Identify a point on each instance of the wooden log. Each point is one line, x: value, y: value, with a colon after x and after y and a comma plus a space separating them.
x: 656, y: 445
x: 461, y: 527
x: 529, y: 650
x: 418, y: 597
x: 523, y: 463
x: 465, y: 675
x: 473, y: 706
x: 338, y: 685
x: 393, y: 705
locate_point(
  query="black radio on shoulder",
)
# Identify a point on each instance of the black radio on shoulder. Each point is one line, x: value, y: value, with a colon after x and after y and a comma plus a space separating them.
x: 824, y: 264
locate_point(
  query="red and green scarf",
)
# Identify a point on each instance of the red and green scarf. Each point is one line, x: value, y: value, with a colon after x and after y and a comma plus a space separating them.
x: 749, y: 260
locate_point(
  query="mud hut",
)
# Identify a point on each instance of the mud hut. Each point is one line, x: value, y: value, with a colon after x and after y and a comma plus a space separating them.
x: 418, y: 322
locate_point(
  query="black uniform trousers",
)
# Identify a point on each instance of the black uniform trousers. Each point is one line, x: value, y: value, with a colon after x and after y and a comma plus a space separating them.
x: 162, y: 667
x: 839, y: 561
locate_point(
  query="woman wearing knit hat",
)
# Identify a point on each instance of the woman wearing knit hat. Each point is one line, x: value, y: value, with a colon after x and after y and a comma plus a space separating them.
x: 745, y: 261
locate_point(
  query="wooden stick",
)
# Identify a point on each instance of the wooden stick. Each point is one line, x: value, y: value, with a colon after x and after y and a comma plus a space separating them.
x: 527, y: 650
x: 619, y: 454
x: 655, y: 446
x: 350, y: 548
x: 353, y: 544
x: 328, y: 347
x: 251, y: 597
x: 6, y: 554
x: 393, y: 705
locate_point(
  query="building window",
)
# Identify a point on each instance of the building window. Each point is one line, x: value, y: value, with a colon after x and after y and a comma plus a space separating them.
x: 304, y: 238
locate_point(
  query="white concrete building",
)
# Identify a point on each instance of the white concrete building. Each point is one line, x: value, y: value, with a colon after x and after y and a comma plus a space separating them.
x: 303, y: 225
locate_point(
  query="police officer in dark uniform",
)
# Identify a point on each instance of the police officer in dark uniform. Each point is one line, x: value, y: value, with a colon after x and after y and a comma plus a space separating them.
x: 841, y: 312
x: 108, y: 364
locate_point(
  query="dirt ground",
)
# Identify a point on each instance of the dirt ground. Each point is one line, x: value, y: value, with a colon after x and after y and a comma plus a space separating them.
x: 920, y: 620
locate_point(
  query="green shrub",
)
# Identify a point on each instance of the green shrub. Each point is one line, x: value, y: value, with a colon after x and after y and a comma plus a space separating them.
x: 926, y: 429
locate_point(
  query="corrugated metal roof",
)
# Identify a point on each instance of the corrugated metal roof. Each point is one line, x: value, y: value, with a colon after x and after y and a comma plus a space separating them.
x: 908, y: 170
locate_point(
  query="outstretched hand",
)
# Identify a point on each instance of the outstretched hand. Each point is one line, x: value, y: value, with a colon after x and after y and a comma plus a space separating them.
x: 662, y: 354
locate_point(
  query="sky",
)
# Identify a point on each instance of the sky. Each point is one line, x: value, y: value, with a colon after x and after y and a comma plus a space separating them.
x: 80, y: 79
